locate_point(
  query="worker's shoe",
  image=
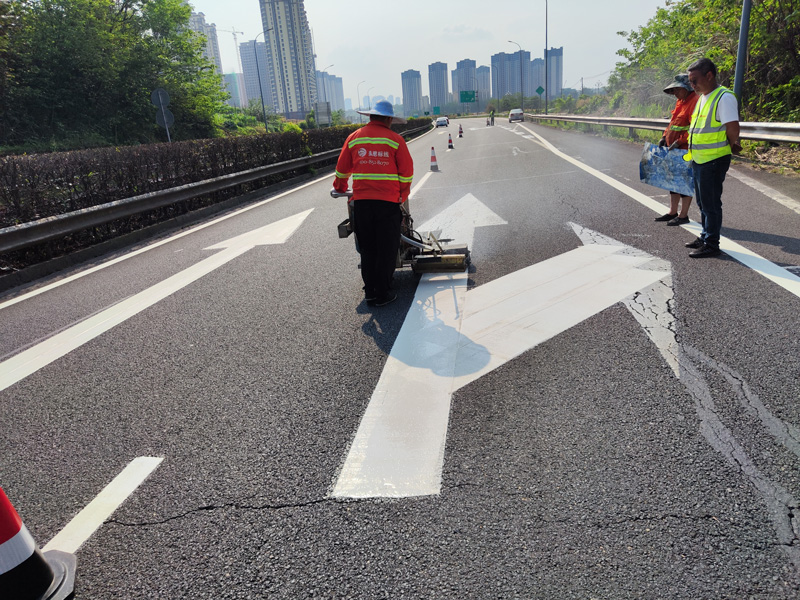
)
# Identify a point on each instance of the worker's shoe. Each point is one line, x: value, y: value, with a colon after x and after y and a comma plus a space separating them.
x: 388, y: 298
x: 698, y: 243
x: 705, y: 251
x: 667, y: 217
x: 678, y: 221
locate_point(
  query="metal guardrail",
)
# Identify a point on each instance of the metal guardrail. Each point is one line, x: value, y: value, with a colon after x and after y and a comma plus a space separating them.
x: 30, y: 234
x: 787, y: 133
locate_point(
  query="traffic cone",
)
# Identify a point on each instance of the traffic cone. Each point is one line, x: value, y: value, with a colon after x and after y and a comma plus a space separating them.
x: 26, y: 573
x: 434, y: 164
x: 460, y: 131
x: 450, y: 142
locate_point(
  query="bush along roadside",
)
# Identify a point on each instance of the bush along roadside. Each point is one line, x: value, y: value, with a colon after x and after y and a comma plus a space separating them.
x: 34, y: 187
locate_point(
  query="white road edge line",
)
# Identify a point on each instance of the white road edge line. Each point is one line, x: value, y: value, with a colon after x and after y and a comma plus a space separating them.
x: 770, y: 193
x: 778, y: 275
x: 89, y: 520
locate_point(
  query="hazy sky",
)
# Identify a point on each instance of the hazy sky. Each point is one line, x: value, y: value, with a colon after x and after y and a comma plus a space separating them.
x: 375, y: 41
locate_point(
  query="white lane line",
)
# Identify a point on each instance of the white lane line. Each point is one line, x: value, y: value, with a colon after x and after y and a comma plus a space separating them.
x: 750, y: 259
x: 86, y: 522
x: 34, y: 358
x: 770, y: 193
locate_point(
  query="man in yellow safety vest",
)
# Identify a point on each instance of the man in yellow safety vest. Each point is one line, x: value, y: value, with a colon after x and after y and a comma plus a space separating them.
x: 713, y: 137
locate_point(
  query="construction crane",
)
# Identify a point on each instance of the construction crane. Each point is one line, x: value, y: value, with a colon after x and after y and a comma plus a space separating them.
x: 236, y: 43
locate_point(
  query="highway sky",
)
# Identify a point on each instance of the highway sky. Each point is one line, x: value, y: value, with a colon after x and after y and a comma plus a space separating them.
x: 376, y: 41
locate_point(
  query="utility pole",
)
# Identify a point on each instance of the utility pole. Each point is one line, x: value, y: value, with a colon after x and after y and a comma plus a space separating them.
x: 741, y: 55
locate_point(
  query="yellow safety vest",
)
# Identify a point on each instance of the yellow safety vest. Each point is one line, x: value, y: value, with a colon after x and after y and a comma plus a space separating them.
x: 707, y: 136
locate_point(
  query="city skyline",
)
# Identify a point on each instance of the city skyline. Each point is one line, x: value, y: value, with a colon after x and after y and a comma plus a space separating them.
x: 472, y: 33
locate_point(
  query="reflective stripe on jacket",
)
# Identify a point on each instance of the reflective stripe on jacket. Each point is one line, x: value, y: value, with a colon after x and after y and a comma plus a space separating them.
x: 678, y: 128
x: 378, y: 160
x: 707, y: 136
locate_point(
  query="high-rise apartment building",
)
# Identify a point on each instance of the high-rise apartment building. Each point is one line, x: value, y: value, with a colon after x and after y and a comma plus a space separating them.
x: 290, y: 56
x: 197, y: 23
x: 234, y: 84
x: 437, y: 84
x: 257, y: 77
x: 555, y: 72
x: 484, y: 75
x: 465, y: 78
x: 330, y: 89
x: 411, y: 81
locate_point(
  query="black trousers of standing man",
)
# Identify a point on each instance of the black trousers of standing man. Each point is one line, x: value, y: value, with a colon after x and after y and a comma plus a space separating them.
x: 377, y: 228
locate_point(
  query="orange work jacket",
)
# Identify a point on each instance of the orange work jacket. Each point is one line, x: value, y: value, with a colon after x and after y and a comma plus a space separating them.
x: 378, y: 160
x: 678, y: 128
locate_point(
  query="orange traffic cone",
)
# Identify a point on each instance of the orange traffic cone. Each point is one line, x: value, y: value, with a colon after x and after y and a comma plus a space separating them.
x: 434, y: 164
x: 450, y: 142
x: 26, y: 573
x: 460, y: 131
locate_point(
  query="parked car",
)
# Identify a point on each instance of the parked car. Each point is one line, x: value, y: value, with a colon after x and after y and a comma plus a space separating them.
x: 442, y: 122
x: 516, y: 115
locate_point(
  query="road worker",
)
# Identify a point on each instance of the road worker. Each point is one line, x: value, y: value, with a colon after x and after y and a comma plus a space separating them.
x: 380, y: 164
x: 713, y: 137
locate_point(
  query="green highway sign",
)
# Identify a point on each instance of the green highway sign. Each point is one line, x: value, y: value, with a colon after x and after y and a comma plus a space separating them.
x: 436, y: 110
x: 468, y: 96
x: 539, y: 90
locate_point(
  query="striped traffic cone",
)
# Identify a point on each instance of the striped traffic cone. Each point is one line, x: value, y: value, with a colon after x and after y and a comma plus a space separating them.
x: 460, y: 131
x: 450, y: 142
x: 434, y: 164
x: 26, y: 573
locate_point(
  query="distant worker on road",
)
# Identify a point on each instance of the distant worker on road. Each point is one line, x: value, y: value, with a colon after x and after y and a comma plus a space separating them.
x: 676, y: 135
x: 382, y: 169
x: 491, y: 116
x: 713, y: 137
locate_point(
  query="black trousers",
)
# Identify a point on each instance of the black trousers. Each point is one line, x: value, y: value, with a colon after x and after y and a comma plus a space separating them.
x: 376, y: 224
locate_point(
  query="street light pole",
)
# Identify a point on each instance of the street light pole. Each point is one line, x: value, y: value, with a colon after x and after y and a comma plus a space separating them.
x: 521, y: 82
x: 546, y: 67
x: 258, y: 72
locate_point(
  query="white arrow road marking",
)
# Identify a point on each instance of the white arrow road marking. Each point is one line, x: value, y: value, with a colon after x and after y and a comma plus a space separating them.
x: 778, y: 275
x: 25, y: 363
x: 86, y: 522
x: 452, y: 337
x: 459, y: 220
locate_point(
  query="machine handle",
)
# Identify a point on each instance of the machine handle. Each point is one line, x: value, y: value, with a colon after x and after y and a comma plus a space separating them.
x: 347, y: 194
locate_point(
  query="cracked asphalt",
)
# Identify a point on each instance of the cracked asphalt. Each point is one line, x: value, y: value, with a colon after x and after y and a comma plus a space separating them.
x: 584, y: 468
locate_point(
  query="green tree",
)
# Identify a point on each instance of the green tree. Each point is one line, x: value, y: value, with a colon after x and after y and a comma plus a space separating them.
x: 82, y: 71
x: 685, y: 30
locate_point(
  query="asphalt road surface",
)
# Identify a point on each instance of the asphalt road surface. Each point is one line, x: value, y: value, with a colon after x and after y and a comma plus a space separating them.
x: 589, y: 413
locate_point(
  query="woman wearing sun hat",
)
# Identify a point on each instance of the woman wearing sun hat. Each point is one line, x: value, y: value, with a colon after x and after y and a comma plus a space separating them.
x: 676, y: 135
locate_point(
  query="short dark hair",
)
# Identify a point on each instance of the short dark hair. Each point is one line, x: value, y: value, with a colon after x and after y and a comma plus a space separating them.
x: 704, y: 65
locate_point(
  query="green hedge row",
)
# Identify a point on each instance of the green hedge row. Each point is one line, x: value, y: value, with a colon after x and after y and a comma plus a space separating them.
x: 44, y: 185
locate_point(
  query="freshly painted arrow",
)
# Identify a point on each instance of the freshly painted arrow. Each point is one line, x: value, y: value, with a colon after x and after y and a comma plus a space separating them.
x: 452, y: 337
x: 25, y: 363
x: 459, y: 220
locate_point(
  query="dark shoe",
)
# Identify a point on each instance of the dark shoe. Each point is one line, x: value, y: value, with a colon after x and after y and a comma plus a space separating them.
x: 705, y: 251
x: 698, y: 243
x: 666, y: 217
x: 390, y: 297
x: 678, y: 221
